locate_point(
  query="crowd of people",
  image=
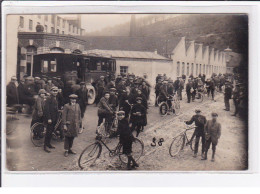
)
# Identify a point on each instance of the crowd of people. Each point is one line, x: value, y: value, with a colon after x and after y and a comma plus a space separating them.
x: 125, y: 96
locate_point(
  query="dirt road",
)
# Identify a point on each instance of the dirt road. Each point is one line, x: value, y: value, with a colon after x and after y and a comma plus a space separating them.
x: 231, y: 151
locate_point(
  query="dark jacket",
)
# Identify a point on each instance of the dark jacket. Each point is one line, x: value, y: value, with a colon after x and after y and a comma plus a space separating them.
x: 139, y: 120
x: 51, y: 109
x: 228, y: 92
x: 12, y: 94
x: 125, y: 136
x: 200, y: 121
x: 113, y: 102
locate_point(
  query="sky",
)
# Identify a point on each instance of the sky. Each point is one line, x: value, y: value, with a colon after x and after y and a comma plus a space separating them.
x: 94, y: 22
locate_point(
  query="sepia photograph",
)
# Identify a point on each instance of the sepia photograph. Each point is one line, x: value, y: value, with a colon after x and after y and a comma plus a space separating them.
x: 127, y: 92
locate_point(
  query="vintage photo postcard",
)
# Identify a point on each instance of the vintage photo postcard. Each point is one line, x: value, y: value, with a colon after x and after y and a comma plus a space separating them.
x: 126, y: 92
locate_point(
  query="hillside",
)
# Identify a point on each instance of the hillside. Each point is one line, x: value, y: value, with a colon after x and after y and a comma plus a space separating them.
x: 217, y: 31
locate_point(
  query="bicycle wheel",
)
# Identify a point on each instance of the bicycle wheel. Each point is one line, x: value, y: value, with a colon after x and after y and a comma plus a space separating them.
x: 163, y: 108
x: 176, y: 108
x: 176, y: 145
x: 89, y: 155
x: 137, y: 151
x: 38, y: 131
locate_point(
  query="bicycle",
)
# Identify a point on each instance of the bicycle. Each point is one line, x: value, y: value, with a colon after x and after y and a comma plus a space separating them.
x: 104, y: 127
x: 92, y: 152
x: 179, y: 141
x: 175, y: 108
x: 39, y: 128
x: 200, y: 94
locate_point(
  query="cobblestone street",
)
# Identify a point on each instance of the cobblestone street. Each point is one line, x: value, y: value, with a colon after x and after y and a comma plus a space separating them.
x: 231, y: 151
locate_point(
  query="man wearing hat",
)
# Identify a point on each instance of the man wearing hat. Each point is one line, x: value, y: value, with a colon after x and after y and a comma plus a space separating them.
x: 37, y: 84
x: 126, y: 139
x: 157, y: 89
x: 82, y: 94
x: 138, y: 116
x: 100, y: 88
x: 37, y: 114
x: 189, y: 86
x: 212, y: 131
x: 163, y: 96
x: 124, y: 103
x: 199, y: 121
x: 12, y: 92
x: 236, y: 98
x: 48, y: 86
x: 120, y: 87
x: 159, y: 76
x: 50, y: 117
x: 71, y: 119
x: 111, y: 84
x: 113, y: 100
x: 227, y: 95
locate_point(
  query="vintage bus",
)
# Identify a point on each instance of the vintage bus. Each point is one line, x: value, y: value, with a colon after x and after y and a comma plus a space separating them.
x: 74, y: 67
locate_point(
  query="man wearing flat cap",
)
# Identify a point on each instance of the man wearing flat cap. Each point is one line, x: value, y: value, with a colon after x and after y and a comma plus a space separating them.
x: 37, y: 114
x: 71, y: 119
x: 212, y: 131
x: 51, y: 114
x: 138, y: 116
x: 113, y: 99
x: 227, y: 95
x: 82, y: 94
x: 199, y: 121
x: 100, y: 88
x: 12, y: 92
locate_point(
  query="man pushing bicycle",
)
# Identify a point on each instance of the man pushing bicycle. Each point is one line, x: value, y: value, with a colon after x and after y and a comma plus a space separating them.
x: 200, y: 121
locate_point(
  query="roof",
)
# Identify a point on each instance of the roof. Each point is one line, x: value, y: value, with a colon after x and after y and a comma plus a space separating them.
x: 135, y: 43
x: 128, y: 54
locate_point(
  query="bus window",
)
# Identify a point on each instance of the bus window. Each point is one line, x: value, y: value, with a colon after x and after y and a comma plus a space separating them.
x: 104, y: 66
x: 44, y: 66
x: 98, y: 66
x: 53, y: 66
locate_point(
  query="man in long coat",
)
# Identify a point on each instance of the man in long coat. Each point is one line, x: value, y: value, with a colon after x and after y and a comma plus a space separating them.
x: 212, y: 134
x: 100, y: 88
x: 71, y: 119
x: 51, y: 114
x: 82, y: 94
x: 12, y: 92
x: 227, y: 95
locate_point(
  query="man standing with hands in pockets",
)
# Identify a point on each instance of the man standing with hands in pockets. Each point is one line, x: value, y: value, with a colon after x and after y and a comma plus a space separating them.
x: 212, y: 134
x: 71, y: 119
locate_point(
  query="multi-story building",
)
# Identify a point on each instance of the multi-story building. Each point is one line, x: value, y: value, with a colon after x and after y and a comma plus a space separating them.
x: 55, y: 24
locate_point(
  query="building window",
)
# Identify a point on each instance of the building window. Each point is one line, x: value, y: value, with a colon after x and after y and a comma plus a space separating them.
x: 21, y: 21
x: 69, y: 27
x: 196, y: 69
x: 52, y: 18
x: 46, y: 28
x: 200, y: 68
x: 62, y: 32
x: 58, y: 21
x: 183, y: 68
x: 63, y: 23
x: 123, y: 69
x: 192, y: 68
x: 30, y: 24
x: 58, y: 31
x: 178, y: 68
x: 204, y: 69
x: 73, y: 29
x: 52, y: 30
x: 46, y: 17
x: 188, y: 69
